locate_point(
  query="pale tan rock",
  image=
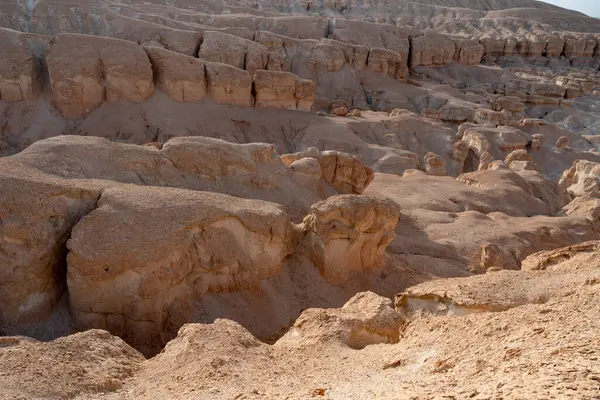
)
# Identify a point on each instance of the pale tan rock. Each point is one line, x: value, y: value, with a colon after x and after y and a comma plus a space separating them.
x: 105, y: 69
x: 582, y: 255
x: 345, y: 172
x: 431, y: 50
x: 311, y: 152
x: 537, y: 140
x: 456, y: 114
x: 486, y: 159
x: 562, y: 142
x: 340, y: 111
x: 275, y: 89
x: 523, y: 165
x: 356, y: 113
x: 37, y: 216
x: 305, y: 94
x: 582, y: 178
x: 491, y: 257
x: 435, y: 165
x: 517, y: 155
x: 229, y: 85
x: 460, y: 151
x: 233, y: 50
x: 535, y: 99
x: 493, y: 46
x: 330, y: 55
x: 388, y: 62
x: 18, y: 68
x: 483, y: 116
x: 208, y: 242
x: 510, y: 103
x: 346, y: 234
x: 468, y: 52
x: 554, y: 46
x: 181, y: 41
x: 180, y: 76
x: 364, y: 320
x: 431, y: 113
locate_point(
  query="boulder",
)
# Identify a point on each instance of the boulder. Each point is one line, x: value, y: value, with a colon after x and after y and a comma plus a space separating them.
x: 18, y: 68
x: 510, y: 103
x: 229, y: 85
x: 537, y: 140
x: 348, y: 233
x: 491, y: 257
x: 233, y: 50
x: 431, y: 50
x: 207, y: 242
x: 582, y: 178
x: 365, y: 319
x: 486, y: 116
x: 517, y: 155
x: 179, y: 76
x: 104, y: 69
x: 275, y: 89
x: 435, y: 165
x: 562, y: 142
x: 346, y: 173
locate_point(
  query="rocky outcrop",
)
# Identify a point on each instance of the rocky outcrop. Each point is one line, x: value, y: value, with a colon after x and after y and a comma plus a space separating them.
x: 347, y: 234
x: 432, y: 50
x: 364, y: 320
x: 468, y: 52
x: 388, y: 62
x: 18, y: 68
x: 208, y: 242
x: 435, y: 165
x: 233, y: 50
x: 181, y: 77
x: 229, y: 85
x: 581, y: 255
x: 37, y: 216
x: 582, y: 178
x: 283, y: 90
x: 104, y: 69
x: 345, y: 172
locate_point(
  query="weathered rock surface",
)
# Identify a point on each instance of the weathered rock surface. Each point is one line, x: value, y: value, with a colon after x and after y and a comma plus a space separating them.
x: 105, y: 69
x: 18, y: 68
x: 348, y: 233
x: 364, y: 320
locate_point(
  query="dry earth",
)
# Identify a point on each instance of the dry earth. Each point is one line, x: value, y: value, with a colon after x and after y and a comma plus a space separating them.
x: 296, y: 200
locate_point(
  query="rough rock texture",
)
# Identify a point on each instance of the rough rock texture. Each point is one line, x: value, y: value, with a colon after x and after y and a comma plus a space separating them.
x: 345, y: 172
x: 233, y: 50
x: 181, y: 77
x: 348, y: 233
x: 105, y: 69
x: 275, y: 89
x: 432, y: 50
x: 229, y: 85
x: 366, y: 319
x: 582, y: 178
x: 582, y: 255
x: 207, y: 242
x: 18, y: 68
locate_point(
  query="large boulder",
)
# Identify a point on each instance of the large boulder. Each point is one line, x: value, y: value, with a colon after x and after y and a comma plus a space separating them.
x: 364, y: 320
x: 104, y: 69
x: 180, y: 76
x: 140, y: 283
x: 345, y: 172
x: 346, y: 234
x: 18, y: 68
x: 582, y: 178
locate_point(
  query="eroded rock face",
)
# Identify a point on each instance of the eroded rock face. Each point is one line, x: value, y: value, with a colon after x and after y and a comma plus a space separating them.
x: 364, y: 320
x: 180, y: 76
x: 578, y: 256
x: 18, y: 68
x: 36, y: 216
x: 105, y: 69
x: 349, y: 233
x: 435, y: 165
x: 233, y: 50
x: 582, y: 178
x: 345, y: 172
x: 229, y: 85
x: 275, y: 89
x: 208, y: 242
x: 432, y: 50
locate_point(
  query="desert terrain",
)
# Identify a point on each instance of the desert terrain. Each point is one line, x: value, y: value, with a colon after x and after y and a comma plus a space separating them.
x: 334, y: 199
